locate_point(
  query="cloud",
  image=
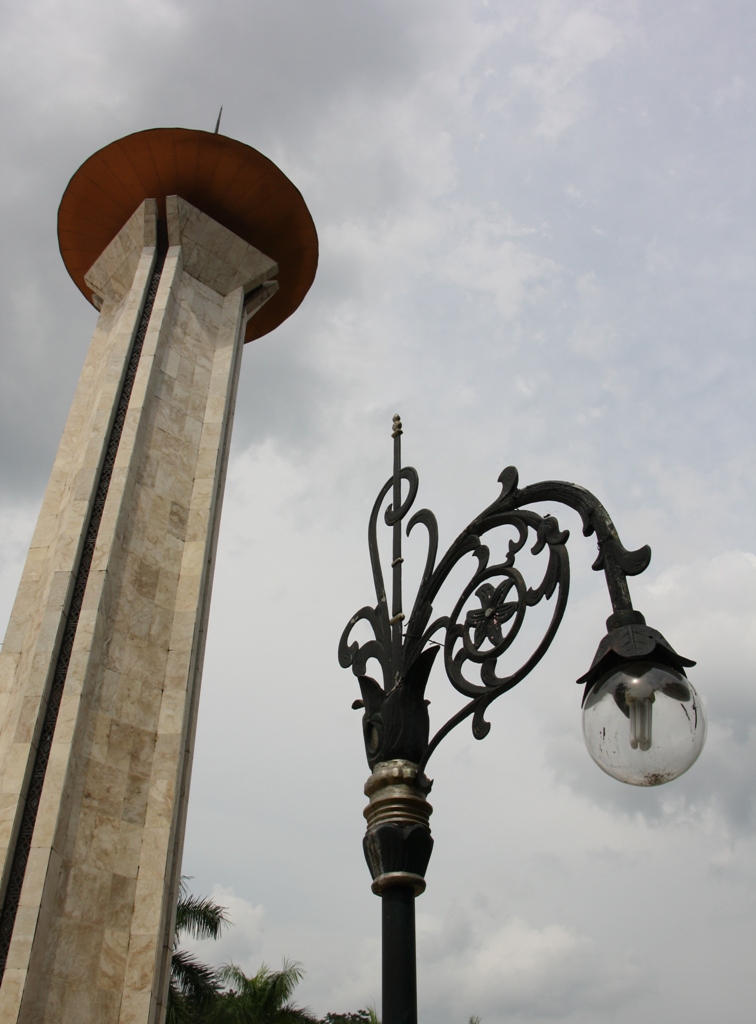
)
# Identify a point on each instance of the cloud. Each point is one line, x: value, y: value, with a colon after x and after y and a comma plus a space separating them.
x: 16, y: 525
x: 483, y: 252
x: 516, y: 970
x: 69, y: 60
x: 240, y: 941
x: 569, y: 39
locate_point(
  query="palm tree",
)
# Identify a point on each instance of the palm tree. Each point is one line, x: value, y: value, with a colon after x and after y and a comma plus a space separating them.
x: 194, y: 987
x: 262, y: 999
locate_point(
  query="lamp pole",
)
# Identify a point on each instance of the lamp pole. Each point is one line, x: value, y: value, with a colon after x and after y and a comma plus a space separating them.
x: 642, y: 720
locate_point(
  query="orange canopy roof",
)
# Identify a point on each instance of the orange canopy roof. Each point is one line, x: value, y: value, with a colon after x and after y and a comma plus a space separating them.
x: 230, y: 182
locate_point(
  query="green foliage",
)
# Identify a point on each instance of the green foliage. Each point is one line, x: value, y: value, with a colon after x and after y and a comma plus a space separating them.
x: 194, y: 987
x: 197, y: 917
x: 360, y: 1017
x: 265, y: 998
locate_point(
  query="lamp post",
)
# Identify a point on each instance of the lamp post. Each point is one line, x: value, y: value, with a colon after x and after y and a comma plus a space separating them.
x: 642, y: 720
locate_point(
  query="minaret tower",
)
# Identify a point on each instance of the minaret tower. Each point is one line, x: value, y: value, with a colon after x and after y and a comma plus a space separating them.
x: 189, y: 244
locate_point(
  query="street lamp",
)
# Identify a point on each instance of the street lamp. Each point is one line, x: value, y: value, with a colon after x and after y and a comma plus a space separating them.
x: 643, y: 722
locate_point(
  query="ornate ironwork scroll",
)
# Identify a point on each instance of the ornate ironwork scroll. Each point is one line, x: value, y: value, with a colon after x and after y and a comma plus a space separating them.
x: 473, y: 640
x: 60, y: 672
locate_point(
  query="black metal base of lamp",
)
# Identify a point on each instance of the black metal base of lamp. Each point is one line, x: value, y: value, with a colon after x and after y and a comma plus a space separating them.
x: 397, y: 846
x: 399, y: 966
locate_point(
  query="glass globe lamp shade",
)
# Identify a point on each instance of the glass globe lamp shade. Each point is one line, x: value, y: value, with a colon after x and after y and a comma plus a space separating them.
x: 644, y: 723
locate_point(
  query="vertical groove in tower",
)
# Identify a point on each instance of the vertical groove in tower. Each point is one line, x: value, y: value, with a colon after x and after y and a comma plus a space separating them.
x: 102, y: 661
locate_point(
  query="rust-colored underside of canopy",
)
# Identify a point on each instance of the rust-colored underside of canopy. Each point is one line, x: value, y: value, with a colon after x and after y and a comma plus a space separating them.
x: 230, y: 182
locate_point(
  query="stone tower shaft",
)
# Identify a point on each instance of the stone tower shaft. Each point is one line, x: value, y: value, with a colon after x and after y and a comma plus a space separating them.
x: 101, y: 665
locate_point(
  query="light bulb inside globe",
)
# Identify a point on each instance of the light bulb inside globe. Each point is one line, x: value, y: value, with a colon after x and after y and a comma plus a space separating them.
x: 640, y: 722
x: 643, y: 723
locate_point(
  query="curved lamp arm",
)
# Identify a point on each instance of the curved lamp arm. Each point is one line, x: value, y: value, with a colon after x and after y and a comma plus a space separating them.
x: 395, y: 721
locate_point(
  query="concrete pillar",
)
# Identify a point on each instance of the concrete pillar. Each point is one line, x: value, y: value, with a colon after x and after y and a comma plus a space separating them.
x: 109, y: 626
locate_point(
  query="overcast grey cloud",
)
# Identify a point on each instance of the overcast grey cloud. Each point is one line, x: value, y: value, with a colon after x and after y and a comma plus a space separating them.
x: 537, y: 244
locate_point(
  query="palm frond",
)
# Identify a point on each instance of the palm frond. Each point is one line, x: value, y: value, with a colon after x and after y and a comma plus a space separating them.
x: 264, y: 997
x: 199, y: 917
x: 193, y: 979
x: 178, y: 1008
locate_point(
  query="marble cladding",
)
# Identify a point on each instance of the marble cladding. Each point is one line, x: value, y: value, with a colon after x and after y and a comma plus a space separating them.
x: 212, y: 254
x: 112, y: 273
x: 94, y: 928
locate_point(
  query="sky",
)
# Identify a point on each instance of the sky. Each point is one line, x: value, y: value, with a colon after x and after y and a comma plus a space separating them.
x: 536, y: 225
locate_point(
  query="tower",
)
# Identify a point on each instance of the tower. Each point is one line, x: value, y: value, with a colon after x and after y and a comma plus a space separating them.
x: 188, y: 244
